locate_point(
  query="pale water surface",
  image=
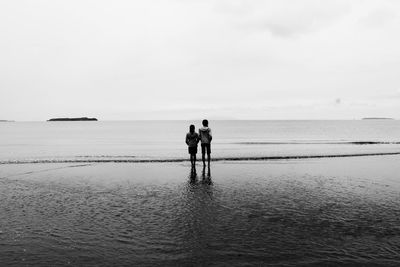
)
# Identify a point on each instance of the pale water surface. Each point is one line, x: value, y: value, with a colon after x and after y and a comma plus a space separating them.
x: 164, y: 140
x: 304, y: 212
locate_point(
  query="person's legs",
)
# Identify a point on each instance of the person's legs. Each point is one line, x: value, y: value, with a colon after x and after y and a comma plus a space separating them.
x: 203, y: 154
x: 193, y: 159
x: 209, y: 153
x: 193, y: 152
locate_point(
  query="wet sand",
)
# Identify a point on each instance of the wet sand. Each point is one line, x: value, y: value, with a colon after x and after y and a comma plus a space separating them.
x: 330, y: 211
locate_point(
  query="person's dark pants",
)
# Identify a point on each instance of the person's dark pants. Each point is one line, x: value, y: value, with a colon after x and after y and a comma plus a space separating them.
x: 206, y: 148
x: 192, y: 151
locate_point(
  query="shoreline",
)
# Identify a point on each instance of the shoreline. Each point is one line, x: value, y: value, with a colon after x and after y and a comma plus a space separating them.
x: 218, y: 159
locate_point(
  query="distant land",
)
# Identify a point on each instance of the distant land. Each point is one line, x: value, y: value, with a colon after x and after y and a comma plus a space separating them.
x: 372, y: 118
x: 73, y: 119
x: 6, y: 121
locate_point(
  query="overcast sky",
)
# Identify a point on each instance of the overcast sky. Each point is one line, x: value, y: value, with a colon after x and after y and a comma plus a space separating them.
x: 188, y: 59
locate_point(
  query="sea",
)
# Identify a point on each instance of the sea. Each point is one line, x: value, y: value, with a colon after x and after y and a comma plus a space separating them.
x: 133, y: 141
x: 277, y: 193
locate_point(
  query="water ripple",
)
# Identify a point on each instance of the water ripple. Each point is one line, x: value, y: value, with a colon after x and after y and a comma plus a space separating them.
x: 232, y: 217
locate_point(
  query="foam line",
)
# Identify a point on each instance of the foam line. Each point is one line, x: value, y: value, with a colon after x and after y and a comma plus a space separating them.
x: 320, y: 143
x: 255, y: 158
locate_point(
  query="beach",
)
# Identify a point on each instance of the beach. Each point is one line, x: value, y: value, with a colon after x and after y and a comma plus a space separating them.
x: 109, y: 109
x: 328, y: 211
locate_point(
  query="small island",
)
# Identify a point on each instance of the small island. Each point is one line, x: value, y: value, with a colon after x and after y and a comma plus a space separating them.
x: 73, y: 119
x: 377, y: 118
x: 6, y: 121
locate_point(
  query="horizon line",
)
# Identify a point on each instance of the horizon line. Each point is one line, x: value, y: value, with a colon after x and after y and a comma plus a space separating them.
x: 110, y: 120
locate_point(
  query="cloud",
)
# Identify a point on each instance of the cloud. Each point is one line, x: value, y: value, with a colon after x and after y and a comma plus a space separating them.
x: 378, y: 18
x: 284, y: 18
x: 177, y: 59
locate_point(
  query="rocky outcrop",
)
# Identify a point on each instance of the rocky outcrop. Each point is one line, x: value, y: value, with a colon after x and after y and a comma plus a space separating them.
x: 73, y: 119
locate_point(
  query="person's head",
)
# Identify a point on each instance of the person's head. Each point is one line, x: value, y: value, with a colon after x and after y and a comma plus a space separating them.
x: 205, y: 123
x: 191, y: 128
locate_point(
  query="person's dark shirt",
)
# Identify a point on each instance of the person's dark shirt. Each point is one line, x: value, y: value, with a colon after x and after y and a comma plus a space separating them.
x: 192, y: 139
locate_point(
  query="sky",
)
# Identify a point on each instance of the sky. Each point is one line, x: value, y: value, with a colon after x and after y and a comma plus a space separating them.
x: 194, y: 59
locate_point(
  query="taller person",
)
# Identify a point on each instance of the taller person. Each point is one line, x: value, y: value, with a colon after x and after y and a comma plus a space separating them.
x: 205, y: 138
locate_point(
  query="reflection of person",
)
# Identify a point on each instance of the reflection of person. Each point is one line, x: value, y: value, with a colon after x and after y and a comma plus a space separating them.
x: 206, y: 178
x: 192, y: 139
x: 205, y: 137
x: 193, y: 175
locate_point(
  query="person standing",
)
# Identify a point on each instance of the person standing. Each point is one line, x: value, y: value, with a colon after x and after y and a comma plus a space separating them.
x: 205, y: 136
x: 192, y: 139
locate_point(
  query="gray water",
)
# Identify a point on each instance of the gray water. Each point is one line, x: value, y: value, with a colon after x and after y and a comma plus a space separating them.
x: 164, y: 140
x: 342, y: 211
x: 325, y: 212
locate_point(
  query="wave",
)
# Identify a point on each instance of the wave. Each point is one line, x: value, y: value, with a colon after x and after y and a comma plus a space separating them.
x: 247, y: 158
x: 105, y: 156
x: 320, y: 143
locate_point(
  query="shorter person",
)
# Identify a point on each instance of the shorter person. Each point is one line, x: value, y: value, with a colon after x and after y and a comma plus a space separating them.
x: 192, y: 139
x: 205, y: 137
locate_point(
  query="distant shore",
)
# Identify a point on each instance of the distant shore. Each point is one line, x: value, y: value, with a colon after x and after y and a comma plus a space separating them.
x: 373, y: 118
x: 73, y: 119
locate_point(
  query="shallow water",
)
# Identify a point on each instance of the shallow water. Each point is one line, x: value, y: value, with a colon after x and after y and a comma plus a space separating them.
x: 131, y: 141
x: 286, y: 213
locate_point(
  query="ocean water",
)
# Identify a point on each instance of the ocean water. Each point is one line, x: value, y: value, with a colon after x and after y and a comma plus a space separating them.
x: 303, y: 212
x: 130, y: 141
x: 282, y: 194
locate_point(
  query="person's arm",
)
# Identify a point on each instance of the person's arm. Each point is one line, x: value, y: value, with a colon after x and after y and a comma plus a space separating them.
x: 210, y: 135
x: 187, y: 139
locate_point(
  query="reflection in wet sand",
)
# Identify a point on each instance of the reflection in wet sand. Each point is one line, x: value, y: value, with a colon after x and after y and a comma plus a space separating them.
x: 198, y: 221
x: 333, y: 212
